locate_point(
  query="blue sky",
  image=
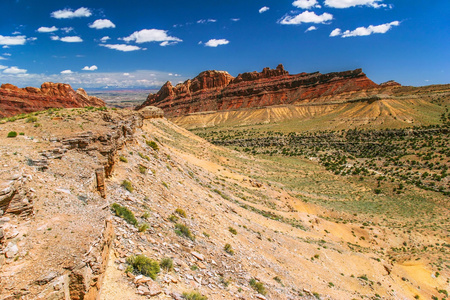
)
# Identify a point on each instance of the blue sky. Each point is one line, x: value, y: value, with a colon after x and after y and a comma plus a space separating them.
x: 142, y: 44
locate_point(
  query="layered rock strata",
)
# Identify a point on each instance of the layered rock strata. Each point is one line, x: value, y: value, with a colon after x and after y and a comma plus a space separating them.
x: 218, y: 90
x: 14, y: 100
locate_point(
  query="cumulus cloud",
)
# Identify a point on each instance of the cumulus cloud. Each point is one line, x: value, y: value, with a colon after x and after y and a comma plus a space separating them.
x: 105, y: 39
x: 304, y: 4
x: 151, y: 35
x: 122, y: 47
x: 47, y: 29
x: 69, y: 14
x: 336, y: 32
x: 67, y: 39
x: 365, y: 31
x: 203, y: 21
x: 66, y: 72
x: 306, y: 17
x: 14, y: 70
x: 102, y: 23
x: 351, y: 3
x: 216, y: 42
x: 2, y: 67
x: 12, y: 40
x: 91, y: 68
x: 311, y: 28
x: 263, y: 9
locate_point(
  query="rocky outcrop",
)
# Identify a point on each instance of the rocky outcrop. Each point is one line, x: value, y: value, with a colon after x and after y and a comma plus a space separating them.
x: 14, y: 100
x: 218, y: 90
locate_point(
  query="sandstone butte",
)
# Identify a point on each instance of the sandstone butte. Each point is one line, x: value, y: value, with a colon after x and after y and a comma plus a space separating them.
x: 14, y: 100
x: 218, y: 90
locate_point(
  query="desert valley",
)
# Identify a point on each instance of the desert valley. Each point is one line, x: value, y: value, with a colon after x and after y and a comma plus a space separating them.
x: 266, y: 185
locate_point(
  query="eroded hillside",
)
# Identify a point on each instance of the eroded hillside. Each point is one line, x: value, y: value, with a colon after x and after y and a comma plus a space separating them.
x: 234, y: 226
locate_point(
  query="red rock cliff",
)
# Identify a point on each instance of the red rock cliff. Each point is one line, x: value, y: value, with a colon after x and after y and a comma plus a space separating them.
x: 14, y: 100
x: 218, y: 90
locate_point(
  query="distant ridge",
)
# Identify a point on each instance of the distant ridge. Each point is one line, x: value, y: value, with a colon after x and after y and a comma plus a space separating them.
x: 219, y: 91
x: 14, y: 100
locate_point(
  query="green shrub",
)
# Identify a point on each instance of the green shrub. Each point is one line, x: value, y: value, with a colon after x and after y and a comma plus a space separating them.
x: 173, y: 218
x: 21, y: 133
x: 143, y: 227
x: 142, y: 169
x: 228, y: 249
x: 127, y: 185
x: 183, y: 230
x: 124, y: 213
x: 146, y: 215
x: 31, y: 119
x: 123, y: 159
x: 153, y: 145
x: 12, y: 134
x: 180, y: 212
x: 144, y: 265
x: 166, y: 263
x: 232, y: 230
x: 258, y: 286
x: 194, y: 296
x: 144, y: 156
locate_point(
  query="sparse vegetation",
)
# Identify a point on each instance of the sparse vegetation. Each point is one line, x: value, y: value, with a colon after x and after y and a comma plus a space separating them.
x: 194, y: 296
x: 123, y: 159
x: 258, y: 286
x: 124, y: 213
x: 12, y: 134
x: 183, y: 230
x: 141, y: 264
x: 153, y: 145
x: 180, y: 212
x: 166, y: 264
x: 228, y: 249
x: 142, y: 169
x: 232, y: 230
x: 127, y: 185
x: 143, y: 227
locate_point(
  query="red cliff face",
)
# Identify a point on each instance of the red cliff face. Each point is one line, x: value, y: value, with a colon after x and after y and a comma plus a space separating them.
x: 218, y: 90
x: 14, y: 100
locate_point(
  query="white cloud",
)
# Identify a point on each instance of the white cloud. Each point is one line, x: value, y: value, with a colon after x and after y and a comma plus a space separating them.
x: 102, y: 23
x: 202, y: 21
x: 2, y: 67
x: 69, y: 14
x: 2, y: 58
x: 66, y: 72
x: 149, y: 79
x: 235, y: 19
x: 14, y: 70
x: 122, y: 47
x: 306, y: 17
x: 71, y: 39
x: 311, y: 28
x: 151, y: 35
x: 126, y: 74
x: 336, y: 32
x: 215, y: 42
x: 91, y: 68
x: 166, y: 43
x: 7, y: 54
x: 263, y: 9
x: 16, y: 32
x: 304, y: 4
x: 54, y: 38
x: 365, y: 31
x: 105, y: 39
x: 351, y: 3
x: 12, y: 40
x: 47, y: 29
x: 67, y: 29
